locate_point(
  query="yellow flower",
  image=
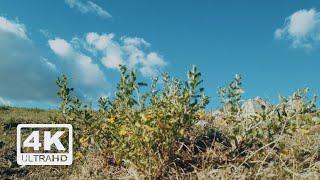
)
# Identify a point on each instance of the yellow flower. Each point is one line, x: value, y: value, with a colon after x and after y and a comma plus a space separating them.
x: 146, y: 139
x: 70, y: 118
x: 285, y: 152
x: 181, y: 132
x: 79, y: 155
x: 239, y: 138
x: 137, y: 124
x: 148, y: 128
x: 111, y: 120
x: 84, y: 141
x: 201, y: 114
x: 104, y: 126
x: 164, y: 126
x: 145, y: 117
x: 123, y: 130
x: 221, y: 122
x: 303, y: 131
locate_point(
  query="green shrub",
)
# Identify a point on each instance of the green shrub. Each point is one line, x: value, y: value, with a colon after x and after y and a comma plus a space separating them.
x: 77, y: 114
x: 138, y: 129
x: 151, y: 129
x: 263, y: 136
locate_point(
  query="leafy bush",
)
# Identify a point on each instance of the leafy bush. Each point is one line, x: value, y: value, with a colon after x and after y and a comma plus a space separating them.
x: 79, y: 115
x: 272, y: 135
x: 139, y: 129
x: 231, y: 95
x: 152, y: 130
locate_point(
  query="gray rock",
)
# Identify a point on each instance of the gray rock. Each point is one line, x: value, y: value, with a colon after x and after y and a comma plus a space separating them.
x: 254, y: 106
x: 295, y: 105
x: 217, y: 115
x: 201, y: 123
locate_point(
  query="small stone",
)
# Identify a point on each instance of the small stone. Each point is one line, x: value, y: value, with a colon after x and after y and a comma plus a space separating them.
x: 254, y: 106
x: 201, y: 123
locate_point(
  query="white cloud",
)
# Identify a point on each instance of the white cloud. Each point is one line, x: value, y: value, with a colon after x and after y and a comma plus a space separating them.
x: 153, y: 59
x: 13, y: 27
x: 302, y: 22
x: 88, y: 7
x: 134, y: 41
x: 84, y: 58
x: 23, y: 75
x: 151, y: 64
x: 100, y: 42
x: 130, y: 51
x: 49, y: 64
x: 27, y: 76
x: 302, y: 28
x: 61, y: 47
x: 111, y: 50
x: 4, y: 102
x: 45, y: 33
x: 82, y: 68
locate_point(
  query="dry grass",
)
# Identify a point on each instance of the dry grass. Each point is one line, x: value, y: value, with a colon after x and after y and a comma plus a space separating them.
x: 299, y: 160
x: 166, y: 134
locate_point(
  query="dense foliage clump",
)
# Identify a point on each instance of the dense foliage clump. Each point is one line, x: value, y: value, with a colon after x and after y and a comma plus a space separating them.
x: 162, y: 130
x: 138, y: 129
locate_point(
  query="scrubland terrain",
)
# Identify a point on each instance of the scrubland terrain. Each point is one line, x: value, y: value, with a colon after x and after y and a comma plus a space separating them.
x: 166, y: 133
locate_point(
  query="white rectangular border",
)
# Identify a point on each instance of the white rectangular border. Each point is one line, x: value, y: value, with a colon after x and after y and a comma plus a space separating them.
x: 69, y: 154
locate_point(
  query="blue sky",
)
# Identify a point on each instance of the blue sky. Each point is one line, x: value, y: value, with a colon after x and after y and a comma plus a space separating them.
x: 274, y: 45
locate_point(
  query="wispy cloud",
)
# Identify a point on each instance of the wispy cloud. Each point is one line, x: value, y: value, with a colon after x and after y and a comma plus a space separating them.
x: 85, y: 60
x: 5, y: 102
x: 88, y: 7
x: 130, y: 51
x: 27, y: 76
x: 302, y: 29
x: 13, y: 27
x: 23, y: 75
x: 49, y: 64
x: 82, y: 68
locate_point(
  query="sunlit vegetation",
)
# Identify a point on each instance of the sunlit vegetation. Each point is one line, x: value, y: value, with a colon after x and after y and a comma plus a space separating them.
x: 163, y: 130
